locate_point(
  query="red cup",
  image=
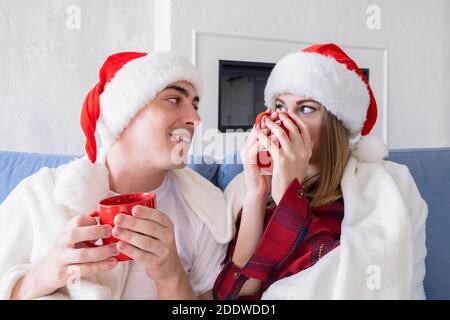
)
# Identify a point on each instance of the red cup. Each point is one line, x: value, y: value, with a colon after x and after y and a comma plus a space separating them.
x: 264, y: 159
x: 110, y: 207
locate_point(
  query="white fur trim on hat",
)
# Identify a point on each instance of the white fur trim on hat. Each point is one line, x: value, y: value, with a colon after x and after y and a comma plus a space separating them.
x: 136, y: 84
x: 323, y: 79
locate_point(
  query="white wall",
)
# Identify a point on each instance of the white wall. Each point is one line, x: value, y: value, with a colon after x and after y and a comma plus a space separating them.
x: 46, y: 69
x: 414, y: 33
x: 212, y: 47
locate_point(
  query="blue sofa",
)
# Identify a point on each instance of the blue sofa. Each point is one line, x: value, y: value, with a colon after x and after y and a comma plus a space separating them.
x: 429, y: 167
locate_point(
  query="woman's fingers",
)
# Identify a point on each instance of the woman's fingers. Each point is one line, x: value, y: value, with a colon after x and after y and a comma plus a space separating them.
x: 88, y: 255
x: 272, y: 116
x: 252, y: 138
x: 278, y: 132
x: 269, y: 145
x: 275, y: 152
x: 304, y: 131
x: 294, y: 132
x: 143, y: 242
x: 251, y: 155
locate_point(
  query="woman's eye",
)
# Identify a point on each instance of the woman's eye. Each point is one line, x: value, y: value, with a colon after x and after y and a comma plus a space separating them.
x: 307, y: 109
x: 280, y: 107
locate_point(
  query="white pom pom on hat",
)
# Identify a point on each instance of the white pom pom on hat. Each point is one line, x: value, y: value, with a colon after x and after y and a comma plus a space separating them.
x: 370, y: 149
x: 325, y: 73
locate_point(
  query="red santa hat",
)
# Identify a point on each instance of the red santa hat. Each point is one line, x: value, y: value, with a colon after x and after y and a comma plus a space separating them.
x: 325, y: 73
x: 127, y: 82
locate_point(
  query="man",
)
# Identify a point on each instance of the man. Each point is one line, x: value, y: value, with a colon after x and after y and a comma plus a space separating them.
x: 145, y: 106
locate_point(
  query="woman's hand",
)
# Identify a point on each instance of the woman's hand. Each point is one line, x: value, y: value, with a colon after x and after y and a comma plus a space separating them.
x: 291, y: 160
x: 148, y: 237
x: 69, y: 259
x: 258, y: 184
x: 254, y: 205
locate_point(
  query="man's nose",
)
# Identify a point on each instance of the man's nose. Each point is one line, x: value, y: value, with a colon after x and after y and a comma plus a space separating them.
x: 192, y: 117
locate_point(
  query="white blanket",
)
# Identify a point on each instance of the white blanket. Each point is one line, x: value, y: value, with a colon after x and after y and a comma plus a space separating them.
x: 382, y: 249
x: 35, y: 211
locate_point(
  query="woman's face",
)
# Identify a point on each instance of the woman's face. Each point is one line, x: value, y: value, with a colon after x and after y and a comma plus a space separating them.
x: 310, y: 111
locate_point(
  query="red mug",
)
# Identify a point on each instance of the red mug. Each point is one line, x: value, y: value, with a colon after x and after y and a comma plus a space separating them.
x: 110, y: 207
x: 264, y: 159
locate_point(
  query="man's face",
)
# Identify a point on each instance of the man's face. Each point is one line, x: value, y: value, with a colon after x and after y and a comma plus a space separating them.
x: 160, y: 135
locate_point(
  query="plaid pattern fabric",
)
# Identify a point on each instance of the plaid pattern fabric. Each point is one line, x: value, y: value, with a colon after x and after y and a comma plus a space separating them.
x: 295, y: 237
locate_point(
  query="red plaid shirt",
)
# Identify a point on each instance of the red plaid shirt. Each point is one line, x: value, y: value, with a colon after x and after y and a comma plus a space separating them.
x: 295, y: 238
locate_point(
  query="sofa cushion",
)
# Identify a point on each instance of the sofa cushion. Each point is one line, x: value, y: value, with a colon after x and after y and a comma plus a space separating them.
x: 230, y: 166
x: 430, y: 169
x: 15, y: 166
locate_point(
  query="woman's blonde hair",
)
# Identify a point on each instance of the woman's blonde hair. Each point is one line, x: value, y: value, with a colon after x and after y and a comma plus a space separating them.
x: 324, y: 187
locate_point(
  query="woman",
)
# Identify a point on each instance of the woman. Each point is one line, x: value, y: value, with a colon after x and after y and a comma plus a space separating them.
x: 304, y: 243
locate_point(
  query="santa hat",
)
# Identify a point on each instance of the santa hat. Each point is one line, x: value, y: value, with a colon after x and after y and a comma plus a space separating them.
x: 325, y: 73
x: 127, y: 82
